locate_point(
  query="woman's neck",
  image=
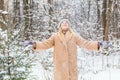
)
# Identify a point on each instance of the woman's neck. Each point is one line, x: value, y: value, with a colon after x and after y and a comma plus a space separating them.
x: 64, y: 31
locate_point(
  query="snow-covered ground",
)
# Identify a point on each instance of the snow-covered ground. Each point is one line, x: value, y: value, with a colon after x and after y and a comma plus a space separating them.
x: 109, y: 74
x: 38, y: 73
x: 90, y: 67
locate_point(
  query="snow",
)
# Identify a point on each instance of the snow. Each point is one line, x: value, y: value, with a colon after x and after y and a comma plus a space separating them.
x: 38, y: 73
x: 83, y: 21
x: 90, y: 67
x: 109, y: 74
x: 21, y: 69
x: 3, y: 12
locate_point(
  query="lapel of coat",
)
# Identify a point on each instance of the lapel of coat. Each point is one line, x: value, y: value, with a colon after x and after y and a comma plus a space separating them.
x: 65, y: 38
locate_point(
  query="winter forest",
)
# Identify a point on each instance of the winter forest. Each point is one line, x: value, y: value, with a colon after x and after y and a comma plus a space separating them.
x: 37, y: 20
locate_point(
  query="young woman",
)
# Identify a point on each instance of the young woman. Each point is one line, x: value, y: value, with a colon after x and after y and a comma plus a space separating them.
x: 65, y: 43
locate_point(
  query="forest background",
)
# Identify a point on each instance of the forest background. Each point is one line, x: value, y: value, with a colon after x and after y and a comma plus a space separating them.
x: 38, y: 19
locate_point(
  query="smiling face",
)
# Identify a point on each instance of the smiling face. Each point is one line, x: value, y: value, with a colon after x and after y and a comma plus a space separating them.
x: 64, y: 25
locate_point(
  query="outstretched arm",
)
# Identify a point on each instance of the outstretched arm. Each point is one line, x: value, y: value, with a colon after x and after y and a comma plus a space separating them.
x: 45, y: 44
x: 91, y: 45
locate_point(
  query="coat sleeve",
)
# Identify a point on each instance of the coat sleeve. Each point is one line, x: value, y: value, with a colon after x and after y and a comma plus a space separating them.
x: 45, y: 44
x: 91, y: 45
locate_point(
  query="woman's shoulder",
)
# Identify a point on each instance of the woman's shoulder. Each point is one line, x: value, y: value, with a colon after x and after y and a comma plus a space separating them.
x: 75, y: 34
x: 54, y: 35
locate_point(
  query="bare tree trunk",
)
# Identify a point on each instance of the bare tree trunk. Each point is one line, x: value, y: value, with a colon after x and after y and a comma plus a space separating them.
x: 25, y: 9
x: 115, y: 25
x: 16, y: 17
x: 98, y: 11
x: 89, y: 5
x: 31, y: 15
x: 2, y: 27
x: 50, y: 2
x: 3, y: 16
x: 28, y: 6
x: 104, y: 7
x: 1, y: 4
x: 117, y: 19
x: 118, y: 2
x: 108, y: 19
x: 50, y: 9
